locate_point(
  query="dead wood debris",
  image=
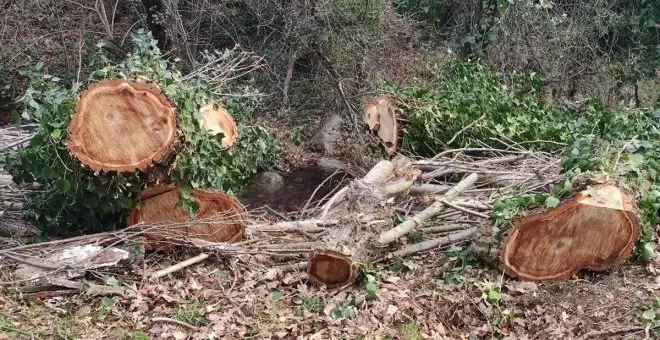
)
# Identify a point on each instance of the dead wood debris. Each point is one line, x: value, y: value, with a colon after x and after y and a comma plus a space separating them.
x: 356, y: 223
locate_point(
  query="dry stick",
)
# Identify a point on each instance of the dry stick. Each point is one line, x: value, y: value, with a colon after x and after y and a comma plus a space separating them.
x: 433, y: 210
x: 398, y: 187
x: 180, y: 265
x: 87, y: 287
x: 465, y: 128
x: 596, y: 334
x: 421, y: 189
x: 434, y: 243
x: 443, y: 228
x: 380, y: 172
x: 292, y: 225
x: 16, y: 143
x: 174, y: 321
x: 465, y: 210
x: 304, y: 208
x: 287, y: 80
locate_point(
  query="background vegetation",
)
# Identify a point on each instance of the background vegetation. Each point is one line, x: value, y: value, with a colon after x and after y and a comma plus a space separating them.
x: 578, y: 77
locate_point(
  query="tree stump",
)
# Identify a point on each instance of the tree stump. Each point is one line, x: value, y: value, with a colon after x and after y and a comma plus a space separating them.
x: 595, y: 230
x: 220, y: 217
x: 122, y: 126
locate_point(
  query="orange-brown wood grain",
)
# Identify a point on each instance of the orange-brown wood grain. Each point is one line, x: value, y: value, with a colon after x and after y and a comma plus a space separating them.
x: 585, y: 232
x: 122, y: 126
x: 220, y: 217
x: 330, y: 268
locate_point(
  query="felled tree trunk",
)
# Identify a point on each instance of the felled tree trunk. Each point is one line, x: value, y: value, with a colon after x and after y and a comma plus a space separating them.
x: 220, y: 217
x: 585, y: 232
x: 122, y: 126
x: 334, y: 264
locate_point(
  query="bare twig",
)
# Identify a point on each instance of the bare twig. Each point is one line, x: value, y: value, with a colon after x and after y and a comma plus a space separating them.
x: 180, y: 265
x: 174, y: 321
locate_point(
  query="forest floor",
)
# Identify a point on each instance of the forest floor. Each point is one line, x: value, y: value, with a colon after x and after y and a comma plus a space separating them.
x: 416, y: 299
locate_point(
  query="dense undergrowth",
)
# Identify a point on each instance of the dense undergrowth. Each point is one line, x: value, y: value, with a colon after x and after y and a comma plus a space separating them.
x: 465, y: 103
x: 74, y: 198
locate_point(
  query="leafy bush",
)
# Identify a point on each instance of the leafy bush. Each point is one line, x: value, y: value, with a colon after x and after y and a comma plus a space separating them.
x: 466, y: 102
x: 75, y: 198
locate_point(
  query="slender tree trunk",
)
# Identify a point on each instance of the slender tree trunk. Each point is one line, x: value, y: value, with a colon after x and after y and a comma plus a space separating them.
x: 158, y: 18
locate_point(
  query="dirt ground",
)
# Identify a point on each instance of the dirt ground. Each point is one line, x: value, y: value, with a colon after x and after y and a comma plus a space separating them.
x: 437, y: 295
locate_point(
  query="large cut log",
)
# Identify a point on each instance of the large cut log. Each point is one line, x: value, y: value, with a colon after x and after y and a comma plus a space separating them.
x: 585, y: 232
x: 220, y: 217
x: 122, y: 126
x: 216, y: 119
x: 380, y: 115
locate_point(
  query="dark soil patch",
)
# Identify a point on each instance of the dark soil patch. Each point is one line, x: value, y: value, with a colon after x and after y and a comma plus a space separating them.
x: 301, y: 185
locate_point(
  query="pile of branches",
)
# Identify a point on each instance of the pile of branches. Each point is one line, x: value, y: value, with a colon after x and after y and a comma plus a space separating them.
x: 439, y: 202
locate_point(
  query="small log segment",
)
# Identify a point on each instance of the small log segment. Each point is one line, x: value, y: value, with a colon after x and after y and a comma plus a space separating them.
x: 380, y: 115
x: 220, y: 217
x: 217, y: 120
x: 334, y: 264
x: 585, y: 232
x: 122, y: 126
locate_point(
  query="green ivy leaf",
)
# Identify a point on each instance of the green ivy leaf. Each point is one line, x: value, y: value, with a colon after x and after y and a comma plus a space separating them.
x: 648, y: 314
x: 494, y: 295
x: 63, y: 184
x: 646, y: 251
x: 275, y: 293
x: 551, y: 202
x: 56, y: 134
x: 111, y: 281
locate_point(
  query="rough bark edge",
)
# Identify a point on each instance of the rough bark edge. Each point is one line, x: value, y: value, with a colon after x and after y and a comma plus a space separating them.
x: 630, y: 214
x: 77, y: 121
x: 158, y: 241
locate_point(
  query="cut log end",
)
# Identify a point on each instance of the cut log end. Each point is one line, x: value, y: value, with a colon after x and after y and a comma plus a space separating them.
x: 216, y: 119
x: 122, y: 126
x: 380, y: 115
x: 220, y: 217
x: 330, y: 268
x: 586, y: 232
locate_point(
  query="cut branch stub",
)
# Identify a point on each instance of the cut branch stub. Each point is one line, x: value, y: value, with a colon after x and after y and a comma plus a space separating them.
x: 215, y: 119
x: 122, y: 126
x: 330, y: 268
x: 380, y: 115
x: 220, y: 217
x: 586, y: 232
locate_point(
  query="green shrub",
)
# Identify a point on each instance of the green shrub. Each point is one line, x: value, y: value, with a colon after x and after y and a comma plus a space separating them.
x: 75, y: 198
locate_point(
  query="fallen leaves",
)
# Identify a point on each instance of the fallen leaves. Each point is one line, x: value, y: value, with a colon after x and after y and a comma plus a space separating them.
x: 239, y: 302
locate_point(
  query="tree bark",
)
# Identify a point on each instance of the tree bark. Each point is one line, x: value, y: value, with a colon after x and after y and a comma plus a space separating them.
x: 158, y: 18
x: 220, y: 218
